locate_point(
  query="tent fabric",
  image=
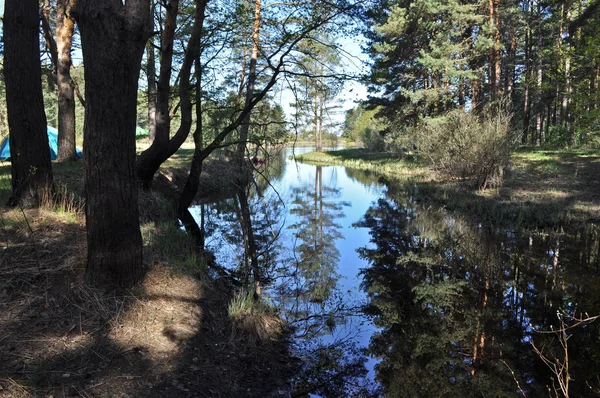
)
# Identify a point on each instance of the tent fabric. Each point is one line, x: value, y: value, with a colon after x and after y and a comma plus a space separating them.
x: 52, y: 140
x: 141, y: 133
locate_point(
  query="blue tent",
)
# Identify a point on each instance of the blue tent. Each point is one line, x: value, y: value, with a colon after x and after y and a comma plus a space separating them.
x: 52, y: 140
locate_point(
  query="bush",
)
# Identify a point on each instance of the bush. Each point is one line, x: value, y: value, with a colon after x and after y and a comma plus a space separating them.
x: 470, y: 146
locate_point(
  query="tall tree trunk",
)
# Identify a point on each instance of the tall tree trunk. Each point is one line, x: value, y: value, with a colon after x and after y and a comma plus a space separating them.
x: 241, y: 149
x: 539, y: 93
x: 510, y: 69
x: 193, y: 181
x: 595, y: 81
x: 66, y: 93
x: 320, y: 112
x: 30, y: 153
x: 527, y: 73
x: 495, y: 61
x: 113, y: 37
x: 47, y: 29
x: 151, y: 77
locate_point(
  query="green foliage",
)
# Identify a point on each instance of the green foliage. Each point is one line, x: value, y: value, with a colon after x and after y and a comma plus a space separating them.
x: 363, y: 125
x: 468, y: 145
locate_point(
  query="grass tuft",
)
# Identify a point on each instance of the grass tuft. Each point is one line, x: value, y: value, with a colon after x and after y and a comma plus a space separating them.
x: 252, y: 320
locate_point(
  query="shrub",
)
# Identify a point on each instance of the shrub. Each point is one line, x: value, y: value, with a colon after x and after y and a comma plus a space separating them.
x: 469, y: 145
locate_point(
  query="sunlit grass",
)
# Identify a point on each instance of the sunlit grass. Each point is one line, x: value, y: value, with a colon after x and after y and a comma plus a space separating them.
x: 385, y: 163
x: 544, y: 188
x: 253, y: 320
x: 552, y: 163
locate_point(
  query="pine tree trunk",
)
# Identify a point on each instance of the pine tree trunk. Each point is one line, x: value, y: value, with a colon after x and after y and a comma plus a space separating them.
x: 151, y: 77
x: 510, y: 69
x: 495, y: 61
x: 539, y: 94
x: 30, y: 153
x: 66, y: 93
x: 241, y: 148
x: 527, y: 73
x: 113, y: 37
x: 595, y: 83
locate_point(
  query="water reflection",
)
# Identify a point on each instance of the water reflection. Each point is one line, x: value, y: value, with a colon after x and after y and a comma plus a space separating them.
x: 458, y: 306
x: 299, y: 220
x: 380, y: 289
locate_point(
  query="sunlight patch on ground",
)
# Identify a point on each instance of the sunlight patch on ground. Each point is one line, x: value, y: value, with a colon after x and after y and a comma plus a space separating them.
x: 163, y: 319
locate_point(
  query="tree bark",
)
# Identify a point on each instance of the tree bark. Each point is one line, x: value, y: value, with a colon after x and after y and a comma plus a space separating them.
x: 162, y: 119
x: 162, y: 148
x: 151, y: 75
x: 495, y: 70
x: 241, y: 149
x: 113, y: 36
x: 31, y: 168
x: 527, y: 73
x: 66, y: 93
x: 539, y: 93
x: 47, y: 30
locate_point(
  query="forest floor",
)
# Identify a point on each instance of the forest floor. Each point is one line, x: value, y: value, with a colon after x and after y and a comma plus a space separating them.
x: 542, y: 188
x: 170, y: 336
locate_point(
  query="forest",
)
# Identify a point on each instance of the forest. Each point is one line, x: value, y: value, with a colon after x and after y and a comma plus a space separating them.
x: 198, y: 200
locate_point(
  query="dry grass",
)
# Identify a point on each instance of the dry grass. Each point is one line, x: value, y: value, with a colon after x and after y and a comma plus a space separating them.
x: 253, y: 321
x: 169, y: 336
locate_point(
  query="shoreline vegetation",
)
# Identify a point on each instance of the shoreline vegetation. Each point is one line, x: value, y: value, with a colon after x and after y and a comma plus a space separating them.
x: 543, y: 188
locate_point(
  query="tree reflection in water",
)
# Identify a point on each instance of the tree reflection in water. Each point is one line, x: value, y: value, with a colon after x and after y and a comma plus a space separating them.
x: 298, y: 267
x: 314, y: 304
x: 458, y: 307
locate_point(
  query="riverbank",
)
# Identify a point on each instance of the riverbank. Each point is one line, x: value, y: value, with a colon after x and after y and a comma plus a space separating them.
x: 542, y: 188
x: 172, y: 335
x: 387, y: 164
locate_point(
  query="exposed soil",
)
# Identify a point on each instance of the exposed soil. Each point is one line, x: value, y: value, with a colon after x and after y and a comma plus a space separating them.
x: 171, y: 336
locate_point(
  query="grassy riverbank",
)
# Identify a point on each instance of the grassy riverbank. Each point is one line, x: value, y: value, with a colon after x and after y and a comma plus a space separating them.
x: 177, y: 333
x: 542, y: 188
x: 385, y: 163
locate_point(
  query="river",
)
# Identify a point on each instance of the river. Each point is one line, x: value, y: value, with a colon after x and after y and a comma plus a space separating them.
x: 389, y: 297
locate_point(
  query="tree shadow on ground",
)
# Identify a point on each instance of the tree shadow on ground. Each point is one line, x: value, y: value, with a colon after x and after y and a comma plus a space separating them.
x: 556, y: 193
x: 169, y: 336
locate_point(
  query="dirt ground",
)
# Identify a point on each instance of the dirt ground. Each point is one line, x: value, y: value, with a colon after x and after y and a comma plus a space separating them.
x: 171, y: 336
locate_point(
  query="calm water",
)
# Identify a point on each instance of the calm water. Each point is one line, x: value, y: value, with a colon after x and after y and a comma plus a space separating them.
x: 389, y: 298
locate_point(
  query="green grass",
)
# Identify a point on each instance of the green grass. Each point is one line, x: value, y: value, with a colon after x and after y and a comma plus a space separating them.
x: 544, y: 188
x: 5, y: 182
x: 384, y: 163
x: 241, y: 304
